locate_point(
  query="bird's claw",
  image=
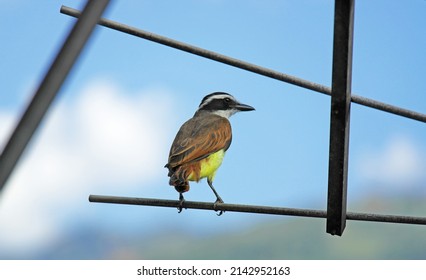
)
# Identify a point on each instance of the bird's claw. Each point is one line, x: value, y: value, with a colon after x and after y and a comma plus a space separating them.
x: 218, y: 200
x: 181, y: 203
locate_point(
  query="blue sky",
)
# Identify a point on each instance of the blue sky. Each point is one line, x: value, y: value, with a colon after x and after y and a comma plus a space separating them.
x: 110, y: 129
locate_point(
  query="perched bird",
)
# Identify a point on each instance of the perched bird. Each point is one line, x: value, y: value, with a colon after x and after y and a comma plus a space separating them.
x: 200, y: 145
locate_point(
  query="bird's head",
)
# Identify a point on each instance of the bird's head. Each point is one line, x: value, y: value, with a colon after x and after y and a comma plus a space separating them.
x: 222, y: 104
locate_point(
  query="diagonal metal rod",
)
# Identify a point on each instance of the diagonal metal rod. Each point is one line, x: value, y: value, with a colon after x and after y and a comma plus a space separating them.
x: 241, y: 208
x: 49, y: 87
x: 248, y: 66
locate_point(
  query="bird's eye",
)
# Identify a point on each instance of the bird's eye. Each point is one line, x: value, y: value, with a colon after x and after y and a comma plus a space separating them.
x: 227, y: 99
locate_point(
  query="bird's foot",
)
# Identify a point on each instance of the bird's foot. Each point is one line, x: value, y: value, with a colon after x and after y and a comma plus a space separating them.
x: 220, y: 212
x: 181, y: 203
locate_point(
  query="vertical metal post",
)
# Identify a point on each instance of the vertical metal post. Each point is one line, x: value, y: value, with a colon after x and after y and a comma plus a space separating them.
x: 49, y: 87
x: 340, y: 115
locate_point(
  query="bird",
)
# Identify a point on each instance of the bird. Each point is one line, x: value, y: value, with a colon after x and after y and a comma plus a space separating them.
x: 201, y: 143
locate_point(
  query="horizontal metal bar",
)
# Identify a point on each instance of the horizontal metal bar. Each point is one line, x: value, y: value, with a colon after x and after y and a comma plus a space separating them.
x: 209, y: 206
x: 248, y: 66
x: 254, y: 209
x: 49, y: 87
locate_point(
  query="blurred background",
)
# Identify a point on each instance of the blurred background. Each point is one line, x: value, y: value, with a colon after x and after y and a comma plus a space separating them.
x: 111, y: 127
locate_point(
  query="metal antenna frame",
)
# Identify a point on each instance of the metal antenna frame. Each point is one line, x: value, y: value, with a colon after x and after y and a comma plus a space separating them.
x: 341, y: 99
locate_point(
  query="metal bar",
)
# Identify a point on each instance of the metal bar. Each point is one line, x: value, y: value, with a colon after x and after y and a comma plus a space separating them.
x: 208, y: 206
x: 248, y: 66
x: 49, y: 87
x: 240, y: 208
x: 340, y: 116
x: 203, y: 53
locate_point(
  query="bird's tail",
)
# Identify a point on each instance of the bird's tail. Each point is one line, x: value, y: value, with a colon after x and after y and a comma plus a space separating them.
x: 178, y: 180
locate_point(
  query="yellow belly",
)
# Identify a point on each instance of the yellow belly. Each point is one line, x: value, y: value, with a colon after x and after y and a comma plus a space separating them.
x: 209, y: 166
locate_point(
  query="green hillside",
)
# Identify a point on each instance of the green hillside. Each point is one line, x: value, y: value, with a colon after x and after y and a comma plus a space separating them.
x: 300, y: 238
x: 275, y: 238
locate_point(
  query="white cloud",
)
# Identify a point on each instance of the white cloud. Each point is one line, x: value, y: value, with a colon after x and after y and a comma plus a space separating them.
x: 103, y: 138
x: 399, y: 164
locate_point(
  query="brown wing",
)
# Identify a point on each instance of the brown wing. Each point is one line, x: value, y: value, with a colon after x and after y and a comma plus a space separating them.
x: 198, y: 138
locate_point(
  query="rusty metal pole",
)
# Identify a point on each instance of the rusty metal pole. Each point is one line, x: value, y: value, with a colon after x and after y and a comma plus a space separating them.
x: 49, y: 87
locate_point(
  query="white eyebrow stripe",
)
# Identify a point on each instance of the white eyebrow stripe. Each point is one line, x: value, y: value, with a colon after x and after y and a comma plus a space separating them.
x: 219, y: 96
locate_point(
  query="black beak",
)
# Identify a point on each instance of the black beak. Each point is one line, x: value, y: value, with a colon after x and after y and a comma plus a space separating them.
x: 243, y: 107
